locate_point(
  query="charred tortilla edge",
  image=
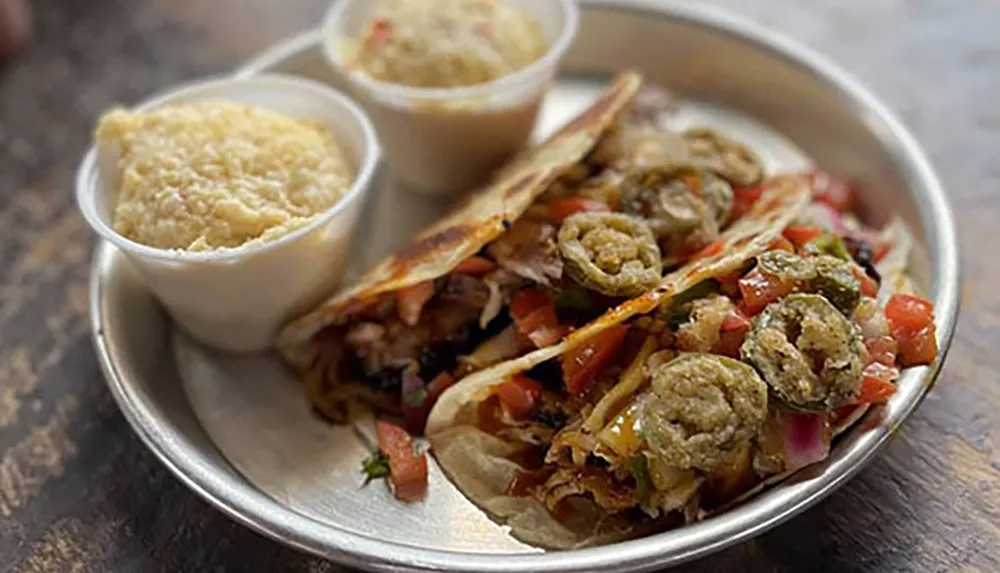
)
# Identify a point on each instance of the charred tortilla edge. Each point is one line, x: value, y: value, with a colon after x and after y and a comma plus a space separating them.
x: 440, y: 247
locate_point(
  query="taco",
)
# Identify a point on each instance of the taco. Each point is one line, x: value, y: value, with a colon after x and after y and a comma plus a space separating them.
x: 590, y: 218
x: 735, y: 372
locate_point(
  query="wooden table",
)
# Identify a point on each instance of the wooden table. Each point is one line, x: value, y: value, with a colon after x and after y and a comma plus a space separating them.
x: 79, y: 493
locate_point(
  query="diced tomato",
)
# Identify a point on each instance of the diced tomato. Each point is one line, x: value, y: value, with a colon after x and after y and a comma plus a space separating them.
x: 799, y: 235
x: 735, y: 320
x: 475, y: 266
x: 407, y: 468
x: 713, y: 249
x: 869, y: 286
x: 518, y: 395
x: 831, y: 190
x: 760, y: 289
x: 876, y: 386
x: 882, y: 349
x: 875, y: 391
x: 729, y: 343
x: 729, y: 284
x: 581, y: 364
x: 744, y: 199
x: 528, y: 301
x: 917, y: 348
x: 560, y: 209
x: 535, y: 317
x: 908, y: 312
x: 911, y: 321
x: 841, y: 414
x: 781, y: 244
x: 411, y: 300
x: 542, y: 328
x: 732, y: 334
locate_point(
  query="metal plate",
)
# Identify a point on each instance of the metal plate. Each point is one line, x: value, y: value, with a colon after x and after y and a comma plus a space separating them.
x: 236, y: 428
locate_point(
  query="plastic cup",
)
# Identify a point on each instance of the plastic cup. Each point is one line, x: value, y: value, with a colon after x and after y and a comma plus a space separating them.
x: 440, y: 141
x: 237, y: 299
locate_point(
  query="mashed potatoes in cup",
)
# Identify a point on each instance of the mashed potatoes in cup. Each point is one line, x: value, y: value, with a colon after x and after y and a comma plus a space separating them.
x: 211, y: 175
x: 235, y: 199
x: 453, y: 87
x: 446, y: 43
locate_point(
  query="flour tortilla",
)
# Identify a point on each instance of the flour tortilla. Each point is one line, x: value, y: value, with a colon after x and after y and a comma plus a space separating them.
x: 895, y: 280
x: 439, y: 248
x: 476, y: 462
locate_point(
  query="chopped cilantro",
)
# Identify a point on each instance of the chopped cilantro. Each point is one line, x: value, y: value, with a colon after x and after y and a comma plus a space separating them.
x: 827, y: 244
x: 375, y: 466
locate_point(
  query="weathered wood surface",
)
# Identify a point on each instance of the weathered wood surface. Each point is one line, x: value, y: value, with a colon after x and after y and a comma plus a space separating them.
x: 79, y: 493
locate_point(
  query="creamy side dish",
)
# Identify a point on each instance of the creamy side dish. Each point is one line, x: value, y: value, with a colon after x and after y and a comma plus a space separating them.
x: 446, y: 43
x: 217, y: 175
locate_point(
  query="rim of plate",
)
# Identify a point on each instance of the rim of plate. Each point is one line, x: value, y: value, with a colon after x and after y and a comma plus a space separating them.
x: 245, y: 504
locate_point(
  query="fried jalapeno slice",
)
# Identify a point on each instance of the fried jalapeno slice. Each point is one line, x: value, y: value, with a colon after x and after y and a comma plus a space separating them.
x: 824, y: 274
x: 610, y: 253
x: 786, y: 266
x: 835, y: 281
x: 730, y: 159
x: 679, y: 202
x: 808, y: 352
x: 699, y: 408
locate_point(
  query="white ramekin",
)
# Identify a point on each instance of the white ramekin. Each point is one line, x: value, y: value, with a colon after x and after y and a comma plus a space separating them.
x: 236, y: 299
x: 444, y: 140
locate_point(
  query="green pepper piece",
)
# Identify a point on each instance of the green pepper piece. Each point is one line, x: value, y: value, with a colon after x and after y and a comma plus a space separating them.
x: 827, y: 244
x: 786, y: 266
x: 639, y: 466
x: 574, y: 301
x: 835, y: 281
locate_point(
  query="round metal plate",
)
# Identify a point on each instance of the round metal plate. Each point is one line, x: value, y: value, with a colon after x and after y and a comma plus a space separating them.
x: 236, y: 428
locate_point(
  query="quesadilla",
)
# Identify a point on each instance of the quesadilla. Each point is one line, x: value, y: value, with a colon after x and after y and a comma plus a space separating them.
x: 735, y: 372
x: 591, y: 218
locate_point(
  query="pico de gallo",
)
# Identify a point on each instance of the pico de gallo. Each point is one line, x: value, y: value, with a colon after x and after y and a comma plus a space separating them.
x: 399, y: 461
x: 739, y: 379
